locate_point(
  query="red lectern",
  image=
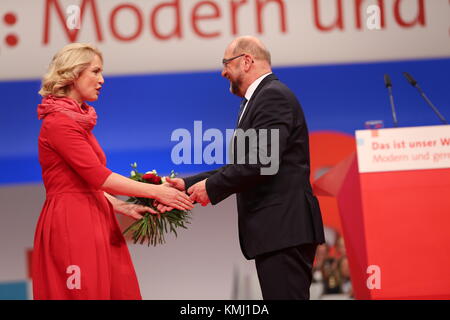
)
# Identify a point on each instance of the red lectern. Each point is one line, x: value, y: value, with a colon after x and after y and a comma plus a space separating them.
x: 394, y: 204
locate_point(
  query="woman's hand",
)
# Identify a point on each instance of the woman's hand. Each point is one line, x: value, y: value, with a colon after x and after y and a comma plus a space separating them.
x: 161, y: 208
x: 132, y: 210
x: 170, y: 197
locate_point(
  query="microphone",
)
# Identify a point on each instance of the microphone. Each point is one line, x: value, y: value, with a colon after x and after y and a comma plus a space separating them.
x: 388, y: 84
x: 410, y: 79
x: 414, y: 83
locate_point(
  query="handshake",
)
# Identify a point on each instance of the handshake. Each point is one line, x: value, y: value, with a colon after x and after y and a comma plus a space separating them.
x: 197, y: 192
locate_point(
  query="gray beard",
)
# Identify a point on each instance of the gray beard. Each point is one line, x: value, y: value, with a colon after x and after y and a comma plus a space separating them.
x: 234, y: 87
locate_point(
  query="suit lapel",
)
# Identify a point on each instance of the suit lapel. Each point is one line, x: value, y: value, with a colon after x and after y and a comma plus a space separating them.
x: 266, y: 80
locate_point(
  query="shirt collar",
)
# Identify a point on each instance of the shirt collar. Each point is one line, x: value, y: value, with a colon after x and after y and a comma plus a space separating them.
x: 254, y: 85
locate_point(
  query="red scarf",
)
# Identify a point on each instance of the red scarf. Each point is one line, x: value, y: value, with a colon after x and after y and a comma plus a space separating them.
x: 85, y: 114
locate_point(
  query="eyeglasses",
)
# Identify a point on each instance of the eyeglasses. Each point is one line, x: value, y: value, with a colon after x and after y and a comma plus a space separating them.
x: 226, y: 61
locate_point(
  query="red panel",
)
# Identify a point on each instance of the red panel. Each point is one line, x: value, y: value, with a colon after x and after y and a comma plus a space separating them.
x: 398, y: 221
x: 407, y: 221
x: 352, y: 218
x: 328, y: 149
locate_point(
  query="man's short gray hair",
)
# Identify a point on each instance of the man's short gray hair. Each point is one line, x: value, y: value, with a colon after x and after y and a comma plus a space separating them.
x: 254, y: 47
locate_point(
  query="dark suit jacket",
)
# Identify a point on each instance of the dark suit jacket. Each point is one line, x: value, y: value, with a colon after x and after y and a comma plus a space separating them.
x: 275, y: 211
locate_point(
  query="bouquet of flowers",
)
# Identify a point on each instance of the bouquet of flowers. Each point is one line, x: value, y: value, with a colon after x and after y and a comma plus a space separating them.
x: 152, y: 227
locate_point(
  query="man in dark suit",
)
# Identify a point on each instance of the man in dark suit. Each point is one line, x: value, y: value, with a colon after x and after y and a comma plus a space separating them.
x: 280, y: 223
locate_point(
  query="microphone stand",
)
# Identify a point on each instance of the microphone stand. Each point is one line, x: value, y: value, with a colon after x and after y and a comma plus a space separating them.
x: 414, y: 83
x: 388, y: 83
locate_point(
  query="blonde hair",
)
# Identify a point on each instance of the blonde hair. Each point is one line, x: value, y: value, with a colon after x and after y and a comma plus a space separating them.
x: 66, y: 67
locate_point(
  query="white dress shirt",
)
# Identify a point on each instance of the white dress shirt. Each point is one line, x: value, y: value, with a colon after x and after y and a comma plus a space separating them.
x: 251, y: 90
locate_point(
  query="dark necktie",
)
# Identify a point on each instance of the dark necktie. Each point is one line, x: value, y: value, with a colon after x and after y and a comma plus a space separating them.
x: 241, y: 109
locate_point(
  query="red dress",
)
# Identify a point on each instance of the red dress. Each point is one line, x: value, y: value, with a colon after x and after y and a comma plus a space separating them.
x: 79, y: 251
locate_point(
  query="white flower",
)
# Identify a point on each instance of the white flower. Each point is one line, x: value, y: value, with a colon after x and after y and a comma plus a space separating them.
x: 152, y: 172
x: 163, y: 180
x: 133, y: 173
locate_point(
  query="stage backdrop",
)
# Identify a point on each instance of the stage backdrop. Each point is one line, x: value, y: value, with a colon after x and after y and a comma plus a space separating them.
x: 162, y: 68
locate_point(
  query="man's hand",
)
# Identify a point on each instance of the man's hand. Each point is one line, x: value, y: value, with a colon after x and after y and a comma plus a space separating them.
x: 176, y: 183
x: 198, y: 193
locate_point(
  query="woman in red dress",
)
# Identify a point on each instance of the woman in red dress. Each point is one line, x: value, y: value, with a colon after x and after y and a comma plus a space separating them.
x: 79, y: 251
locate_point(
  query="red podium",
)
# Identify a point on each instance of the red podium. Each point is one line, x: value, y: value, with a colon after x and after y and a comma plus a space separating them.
x: 394, y: 204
